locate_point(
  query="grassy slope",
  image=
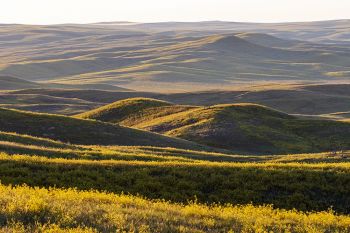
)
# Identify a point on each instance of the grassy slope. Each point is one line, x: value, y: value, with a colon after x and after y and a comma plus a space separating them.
x: 81, y: 131
x: 244, y: 128
x: 26, y: 209
x: 178, y: 175
x: 287, y: 185
x: 117, y: 111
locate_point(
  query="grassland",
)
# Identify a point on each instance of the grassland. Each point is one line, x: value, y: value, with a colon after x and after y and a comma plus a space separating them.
x: 322, y: 101
x: 122, y: 109
x: 149, y: 57
x: 168, y: 189
x: 243, y: 128
x: 214, y: 159
x: 78, y: 131
x: 26, y: 209
x: 310, y: 182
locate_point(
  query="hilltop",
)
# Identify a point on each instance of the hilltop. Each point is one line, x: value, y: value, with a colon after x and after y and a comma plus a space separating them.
x: 244, y: 128
x: 119, y: 110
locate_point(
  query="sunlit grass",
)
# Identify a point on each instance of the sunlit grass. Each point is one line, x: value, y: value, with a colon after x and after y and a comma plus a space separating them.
x: 36, y: 209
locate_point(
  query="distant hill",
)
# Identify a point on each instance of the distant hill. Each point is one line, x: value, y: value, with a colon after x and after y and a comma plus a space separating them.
x: 246, y: 128
x: 11, y: 83
x: 79, y: 131
x: 45, y: 103
x: 294, y: 99
x: 176, y: 56
x: 268, y: 40
x: 97, y: 86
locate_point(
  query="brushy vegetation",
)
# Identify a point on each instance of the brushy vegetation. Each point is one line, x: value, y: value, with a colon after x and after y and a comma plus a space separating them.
x: 179, y: 175
x: 287, y: 185
x: 27, y: 209
x: 243, y: 128
x: 214, y: 192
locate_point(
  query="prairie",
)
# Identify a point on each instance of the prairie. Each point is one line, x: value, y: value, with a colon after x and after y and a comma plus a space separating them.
x: 243, y: 128
x: 68, y: 210
x: 175, y: 127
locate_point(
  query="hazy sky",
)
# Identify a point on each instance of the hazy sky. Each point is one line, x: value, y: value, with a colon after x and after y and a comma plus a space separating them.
x: 88, y: 11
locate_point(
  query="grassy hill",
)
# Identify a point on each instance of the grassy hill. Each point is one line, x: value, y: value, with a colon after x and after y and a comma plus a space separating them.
x: 79, y: 131
x: 245, y: 128
x: 326, y: 100
x: 117, y: 111
x: 305, y: 182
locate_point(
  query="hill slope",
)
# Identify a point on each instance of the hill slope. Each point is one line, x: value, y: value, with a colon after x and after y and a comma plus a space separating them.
x: 11, y: 83
x: 79, y: 131
x: 119, y: 110
x: 318, y: 100
x: 247, y: 128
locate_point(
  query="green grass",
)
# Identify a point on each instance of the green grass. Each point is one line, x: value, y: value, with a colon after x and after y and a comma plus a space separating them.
x: 13, y: 143
x: 122, y: 109
x: 305, y: 181
x: 243, y: 128
x: 79, y: 131
x: 286, y: 185
x: 191, y: 180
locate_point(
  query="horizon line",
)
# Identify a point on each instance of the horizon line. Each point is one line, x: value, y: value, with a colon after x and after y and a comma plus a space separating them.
x: 170, y: 21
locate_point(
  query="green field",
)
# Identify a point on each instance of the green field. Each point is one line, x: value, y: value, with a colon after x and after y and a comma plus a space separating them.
x: 243, y: 128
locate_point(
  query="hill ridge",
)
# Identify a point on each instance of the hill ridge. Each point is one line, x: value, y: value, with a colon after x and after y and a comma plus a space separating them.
x: 243, y: 128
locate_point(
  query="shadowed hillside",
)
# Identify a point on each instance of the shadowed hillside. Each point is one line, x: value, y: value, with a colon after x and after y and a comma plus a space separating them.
x: 80, y: 131
x: 244, y: 128
x: 328, y: 101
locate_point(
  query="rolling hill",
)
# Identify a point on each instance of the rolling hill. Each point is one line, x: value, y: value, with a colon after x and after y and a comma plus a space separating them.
x: 120, y: 110
x: 244, y: 128
x: 193, y: 57
x: 175, y: 127
x: 328, y: 101
x: 11, y: 83
x: 78, y: 131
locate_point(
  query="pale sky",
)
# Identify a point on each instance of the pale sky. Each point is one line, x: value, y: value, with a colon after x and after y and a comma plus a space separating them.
x: 90, y: 11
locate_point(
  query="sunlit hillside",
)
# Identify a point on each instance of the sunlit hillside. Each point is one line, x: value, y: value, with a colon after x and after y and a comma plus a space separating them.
x: 68, y: 210
x: 168, y: 127
x: 243, y: 128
